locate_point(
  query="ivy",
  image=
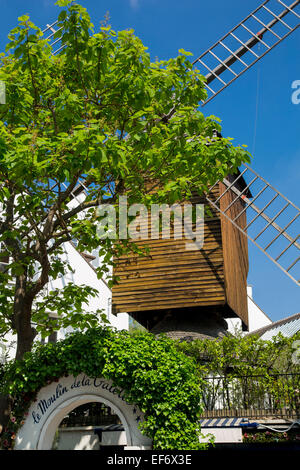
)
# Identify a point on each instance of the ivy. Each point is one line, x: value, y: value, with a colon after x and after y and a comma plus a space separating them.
x: 164, y: 378
x: 155, y: 375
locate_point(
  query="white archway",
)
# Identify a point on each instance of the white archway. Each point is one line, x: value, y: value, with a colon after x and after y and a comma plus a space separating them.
x: 57, y: 399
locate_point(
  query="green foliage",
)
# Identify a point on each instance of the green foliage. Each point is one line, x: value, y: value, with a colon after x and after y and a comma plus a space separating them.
x: 67, y: 304
x: 102, y: 112
x: 155, y: 376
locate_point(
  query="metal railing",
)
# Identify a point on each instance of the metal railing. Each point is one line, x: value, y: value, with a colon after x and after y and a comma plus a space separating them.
x: 90, y: 414
x: 252, y: 396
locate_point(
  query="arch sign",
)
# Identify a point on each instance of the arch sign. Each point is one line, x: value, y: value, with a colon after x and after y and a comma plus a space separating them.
x: 57, y: 399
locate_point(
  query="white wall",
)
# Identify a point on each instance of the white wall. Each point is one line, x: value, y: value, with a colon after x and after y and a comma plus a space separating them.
x: 8, y: 347
x: 256, y: 316
x: 85, y: 274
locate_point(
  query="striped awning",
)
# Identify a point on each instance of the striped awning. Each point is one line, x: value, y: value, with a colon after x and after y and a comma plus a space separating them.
x: 224, y: 422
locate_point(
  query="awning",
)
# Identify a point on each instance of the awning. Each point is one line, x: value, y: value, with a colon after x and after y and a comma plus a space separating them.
x: 226, y: 423
x: 109, y: 428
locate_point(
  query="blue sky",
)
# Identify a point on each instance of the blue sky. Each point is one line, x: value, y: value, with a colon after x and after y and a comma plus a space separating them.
x: 255, y: 110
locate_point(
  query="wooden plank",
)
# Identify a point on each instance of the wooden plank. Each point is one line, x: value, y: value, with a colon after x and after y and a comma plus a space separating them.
x: 144, y: 285
x: 170, y: 246
x: 186, y: 272
x: 171, y: 276
x: 235, y: 252
x: 159, y: 293
x: 175, y: 257
x: 139, y: 307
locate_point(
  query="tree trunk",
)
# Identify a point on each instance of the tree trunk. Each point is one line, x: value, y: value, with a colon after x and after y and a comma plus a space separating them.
x: 22, y: 318
x: 25, y: 341
x: 25, y: 332
x: 25, y: 337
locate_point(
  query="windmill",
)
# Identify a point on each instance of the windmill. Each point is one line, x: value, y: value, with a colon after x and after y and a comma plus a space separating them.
x: 186, y: 293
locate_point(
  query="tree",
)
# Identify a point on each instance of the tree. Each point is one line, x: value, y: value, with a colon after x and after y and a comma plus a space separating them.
x: 99, y: 112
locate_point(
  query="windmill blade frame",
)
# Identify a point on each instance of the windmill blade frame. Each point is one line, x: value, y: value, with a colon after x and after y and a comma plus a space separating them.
x: 241, y: 40
x: 266, y: 205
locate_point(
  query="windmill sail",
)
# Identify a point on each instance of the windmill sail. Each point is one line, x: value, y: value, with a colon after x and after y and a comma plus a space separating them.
x: 249, y: 41
x: 53, y: 36
x: 272, y: 220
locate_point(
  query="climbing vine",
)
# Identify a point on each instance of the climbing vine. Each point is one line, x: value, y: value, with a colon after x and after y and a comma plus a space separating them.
x: 155, y: 375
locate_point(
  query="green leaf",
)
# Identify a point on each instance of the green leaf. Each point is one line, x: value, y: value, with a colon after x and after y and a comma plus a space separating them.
x: 62, y: 16
x: 19, y: 51
x: 182, y: 51
x: 23, y: 19
x: 63, y: 3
